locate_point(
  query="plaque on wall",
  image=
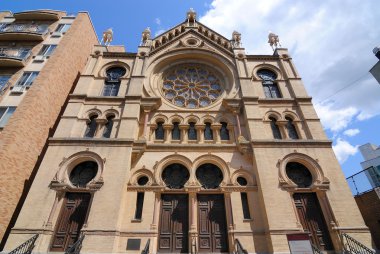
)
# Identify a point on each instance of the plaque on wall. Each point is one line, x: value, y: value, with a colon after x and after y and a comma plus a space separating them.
x: 299, y: 243
x: 133, y: 244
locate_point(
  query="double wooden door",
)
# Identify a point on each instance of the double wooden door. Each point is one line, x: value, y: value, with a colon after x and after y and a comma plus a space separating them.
x: 311, y: 217
x: 212, y: 226
x: 174, y: 224
x: 71, y: 220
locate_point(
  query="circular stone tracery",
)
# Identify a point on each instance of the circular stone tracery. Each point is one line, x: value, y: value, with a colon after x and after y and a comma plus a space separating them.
x: 191, y: 86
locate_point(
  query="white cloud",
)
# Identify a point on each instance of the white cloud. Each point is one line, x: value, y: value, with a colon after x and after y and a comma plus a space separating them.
x: 157, y: 21
x: 343, y: 150
x: 159, y: 32
x: 351, y: 132
x: 335, y: 119
x: 331, y: 48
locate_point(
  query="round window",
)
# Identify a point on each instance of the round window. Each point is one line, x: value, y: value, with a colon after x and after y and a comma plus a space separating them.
x: 191, y: 86
x: 209, y: 175
x: 175, y: 176
x: 143, y: 180
x: 83, y: 173
x: 299, y: 174
x: 242, y: 181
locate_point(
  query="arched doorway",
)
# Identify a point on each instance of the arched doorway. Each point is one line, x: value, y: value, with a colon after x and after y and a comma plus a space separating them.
x: 174, y: 214
x: 308, y: 208
x: 212, y: 223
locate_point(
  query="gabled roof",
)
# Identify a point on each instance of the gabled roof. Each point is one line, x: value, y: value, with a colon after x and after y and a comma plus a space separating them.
x: 196, y: 27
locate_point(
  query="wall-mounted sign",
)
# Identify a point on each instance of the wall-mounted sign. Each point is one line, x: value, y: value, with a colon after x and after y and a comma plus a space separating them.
x: 299, y: 243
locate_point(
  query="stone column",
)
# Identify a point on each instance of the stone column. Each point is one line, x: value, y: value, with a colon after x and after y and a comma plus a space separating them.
x: 298, y: 126
x: 216, y: 132
x: 153, y: 127
x: 282, y: 126
x: 200, y: 133
x: 156, y: 210
x: 168, y: 133
x: 230, y: 221
x: 183, y: 128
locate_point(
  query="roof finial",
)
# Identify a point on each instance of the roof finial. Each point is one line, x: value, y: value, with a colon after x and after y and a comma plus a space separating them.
x: 145, y: 36
x: 236, y: 39
x: 107, y: 37
x: 191, y: 17
x: 273, y: 40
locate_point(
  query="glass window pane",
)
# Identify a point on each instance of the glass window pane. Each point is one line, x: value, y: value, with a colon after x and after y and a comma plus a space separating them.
x: 244, y: 202
x: 108, y: 127
x: 6, y: 115
x: 159, y: 133
x: 3, y: 81
x: 91, y: 127
x: 292, y: 132
x: 139, y: 205
x: 65, y: 28
x: 275, y: 129
x: 192, y: 133
x: 32, y: 77
x: 224, y: 133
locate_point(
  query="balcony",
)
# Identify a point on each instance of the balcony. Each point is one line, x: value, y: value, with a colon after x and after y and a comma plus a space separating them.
x: 23, y: 31
x: 364, y: 181
x: 37, y: 15
x: 14, y: 57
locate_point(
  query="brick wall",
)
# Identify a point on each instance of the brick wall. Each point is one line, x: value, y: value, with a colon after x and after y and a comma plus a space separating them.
x: 369, y: 206
x: 25, y: 135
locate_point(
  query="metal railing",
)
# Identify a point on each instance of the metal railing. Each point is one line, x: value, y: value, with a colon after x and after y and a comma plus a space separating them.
x: 146, y: 248
x: 364, y: 181
x: 353, y: 246
x: 75, y: 248
x: 23, y: 28
x: 26, y: 247
x: 316, y: 250
x: 239, y: 248
x: 17, y: 53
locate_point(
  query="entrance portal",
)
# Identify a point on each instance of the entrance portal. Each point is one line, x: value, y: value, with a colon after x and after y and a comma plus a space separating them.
x: 174, y: 224
x: 71, y: 220
x: 311, y: 217
x: 212, y: 224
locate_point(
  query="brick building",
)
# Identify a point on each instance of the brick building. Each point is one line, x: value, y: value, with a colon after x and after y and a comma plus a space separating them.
x: 41, y: 56
x: 188, y: 145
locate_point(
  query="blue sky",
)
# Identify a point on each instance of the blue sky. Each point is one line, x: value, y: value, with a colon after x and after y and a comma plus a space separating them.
x: 331, y: 43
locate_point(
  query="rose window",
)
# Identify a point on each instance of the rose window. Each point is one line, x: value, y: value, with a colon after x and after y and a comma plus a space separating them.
x: 191, y: 86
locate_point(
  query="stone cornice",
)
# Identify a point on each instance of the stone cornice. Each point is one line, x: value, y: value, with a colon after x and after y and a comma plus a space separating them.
x: 91, y: 142
x: 291, y: 143
x: 212, y: 147
x: 119, y: 55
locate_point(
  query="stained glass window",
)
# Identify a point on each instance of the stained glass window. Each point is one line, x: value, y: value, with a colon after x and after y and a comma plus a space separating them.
x: 299, y: 174
x: 192, y: 86
x: 112, y: 84
x: 83, y: 173
x: 175, y: 176
x: 270, y: 87
x: 209, y: 176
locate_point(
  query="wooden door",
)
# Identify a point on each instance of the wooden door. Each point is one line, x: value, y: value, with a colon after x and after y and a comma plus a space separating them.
x: 70, y: 221
x: 311, y: 217
x: 212, y: 225
x: 174, y: 224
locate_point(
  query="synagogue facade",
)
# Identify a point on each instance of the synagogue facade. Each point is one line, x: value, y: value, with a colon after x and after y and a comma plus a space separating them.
x: 188, y: 145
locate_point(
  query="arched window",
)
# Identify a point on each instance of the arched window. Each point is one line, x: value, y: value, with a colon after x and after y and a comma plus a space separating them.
x: 208, y: 132
x: 159, y: 132
x: 292, y: 132
x: 176, y: 133
x: 108, y: 126
x: 275, y: 130
x: 270, y: 87
x: 91, y: 127
x: 224, y: 133
x: 112, y: 84
x: 192, y: 133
